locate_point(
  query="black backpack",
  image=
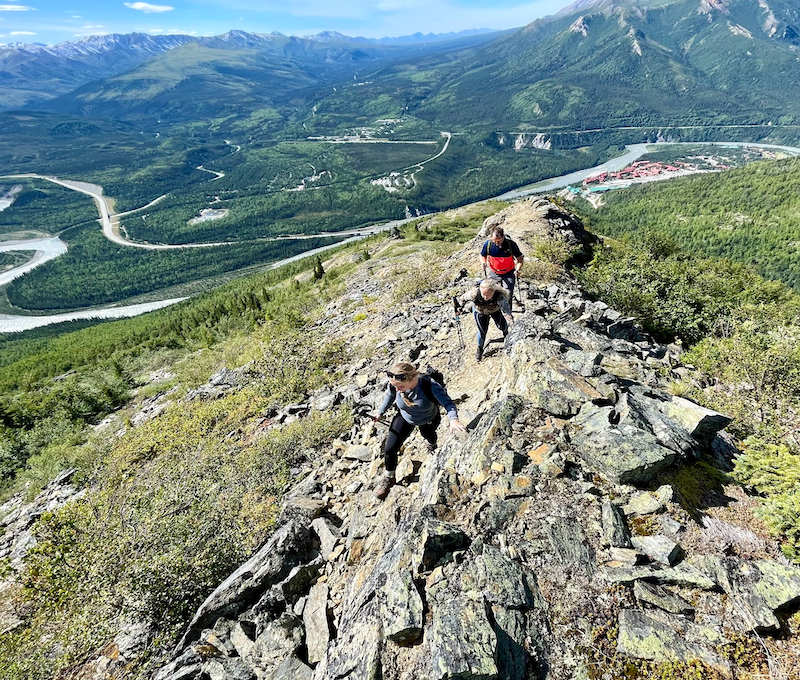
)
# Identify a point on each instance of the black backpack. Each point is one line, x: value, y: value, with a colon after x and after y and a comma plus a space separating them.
x: 430, y: 375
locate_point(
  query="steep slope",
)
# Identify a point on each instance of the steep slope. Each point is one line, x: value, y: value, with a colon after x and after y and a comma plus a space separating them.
x: 571, y: 527
x: 512, y: 552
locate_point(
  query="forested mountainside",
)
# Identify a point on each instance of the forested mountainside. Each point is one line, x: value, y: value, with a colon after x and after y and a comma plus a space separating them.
x: 605, y: 65
x: 750, y: 215
x: 220, y: 521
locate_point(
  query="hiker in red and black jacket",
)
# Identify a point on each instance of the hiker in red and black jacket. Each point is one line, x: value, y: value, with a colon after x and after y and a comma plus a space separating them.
x: 502, y: 259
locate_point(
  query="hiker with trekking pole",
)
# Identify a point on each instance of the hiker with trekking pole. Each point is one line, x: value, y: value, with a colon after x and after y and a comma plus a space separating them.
x: 417, y: 397
x: 489, y: 301
x: 502, y: 259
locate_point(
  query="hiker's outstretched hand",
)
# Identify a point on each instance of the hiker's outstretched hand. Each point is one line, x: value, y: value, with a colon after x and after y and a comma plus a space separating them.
x: 456, y: 426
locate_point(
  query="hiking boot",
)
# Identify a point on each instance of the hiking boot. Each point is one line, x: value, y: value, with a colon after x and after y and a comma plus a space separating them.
x: 479, y: 354
x: 383, y: 486
x: 430, y: 445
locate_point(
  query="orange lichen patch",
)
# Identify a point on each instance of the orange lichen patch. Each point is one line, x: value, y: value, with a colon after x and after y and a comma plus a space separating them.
x: 540, y: 453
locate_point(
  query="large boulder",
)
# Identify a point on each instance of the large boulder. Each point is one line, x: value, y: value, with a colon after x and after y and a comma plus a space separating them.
x: 287, y: 548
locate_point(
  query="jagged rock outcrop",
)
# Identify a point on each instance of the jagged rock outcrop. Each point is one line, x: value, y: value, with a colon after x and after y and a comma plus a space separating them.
x: 494, y: 555
x: 18, y: 517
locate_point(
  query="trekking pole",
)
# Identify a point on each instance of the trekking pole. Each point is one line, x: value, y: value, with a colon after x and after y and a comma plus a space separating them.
x: 457, y: 310
x: 361, y: 411
x: 519, y: 292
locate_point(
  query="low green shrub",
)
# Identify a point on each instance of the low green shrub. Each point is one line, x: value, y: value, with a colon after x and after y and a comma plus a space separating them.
x: 774, y: 471
x: 182, y: 501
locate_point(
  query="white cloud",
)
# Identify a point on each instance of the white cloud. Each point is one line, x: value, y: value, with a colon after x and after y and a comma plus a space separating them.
x: 15, y: 8
x: 147, y: 8
x: 22, y: 33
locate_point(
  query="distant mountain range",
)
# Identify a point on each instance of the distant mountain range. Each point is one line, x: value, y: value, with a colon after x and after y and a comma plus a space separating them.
x: 596, y: 64
x: 33, y: 73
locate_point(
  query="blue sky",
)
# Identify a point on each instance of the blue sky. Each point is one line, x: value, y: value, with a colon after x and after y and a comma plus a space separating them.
x: 53, y: 21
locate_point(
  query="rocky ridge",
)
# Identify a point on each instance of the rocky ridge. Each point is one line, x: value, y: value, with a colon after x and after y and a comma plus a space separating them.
x: 507, y: 552
x: 553, y: 541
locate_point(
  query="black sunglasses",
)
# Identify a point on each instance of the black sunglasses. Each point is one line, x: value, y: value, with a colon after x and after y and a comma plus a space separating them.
x: 399, y: 377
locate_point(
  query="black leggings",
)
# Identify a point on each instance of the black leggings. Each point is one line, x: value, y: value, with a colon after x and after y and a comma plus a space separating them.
x: 399, y: 431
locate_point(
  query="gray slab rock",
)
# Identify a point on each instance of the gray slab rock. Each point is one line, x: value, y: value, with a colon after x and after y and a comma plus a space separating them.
x: 643, y: 408
x: 659, y: 549
x: 401, y: 608
x: 662, y: 598
x: 315, y: 619
x: 646, y: 635
x: 615, y: 529
x: 461, y: 641
x: 474, y: 455
x: 327, y: 533
x: 300, y: 580
x: 681, y: 574
x: 227, y: 669
x: 585, y: 364
x: 360, y: 453
x: 286, y: 549
x: 279, y: 639
x: 623, y: 454
x: 301, y: 510
x: 243, y: 638
x: 405, y: 470
x: 291, y: 668
x: 520, y: 651
x: 503, y: 581
x: 439, y: 541
x: 356, y: 653
x: 643, y: 503
x: 701, y: 423
x: 625, y: 557
x: 556, y: 388
x: 571, y: 545
x: 758, y: 588
x: 188, y: 666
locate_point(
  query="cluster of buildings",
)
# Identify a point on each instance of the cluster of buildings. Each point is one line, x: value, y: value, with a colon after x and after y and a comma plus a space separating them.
x: 640, y: 171
x: 637, y: 170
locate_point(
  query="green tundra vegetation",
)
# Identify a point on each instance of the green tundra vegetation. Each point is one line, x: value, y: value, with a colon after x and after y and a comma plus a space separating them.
x: 742, y: 333
x: 201, y: 480
x: 749, y: 215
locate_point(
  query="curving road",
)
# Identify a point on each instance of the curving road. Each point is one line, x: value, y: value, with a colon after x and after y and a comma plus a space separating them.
x: 106, y: 214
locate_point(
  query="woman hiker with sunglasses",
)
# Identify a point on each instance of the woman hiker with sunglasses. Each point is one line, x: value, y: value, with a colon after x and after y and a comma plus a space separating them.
x: 417, y: 397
